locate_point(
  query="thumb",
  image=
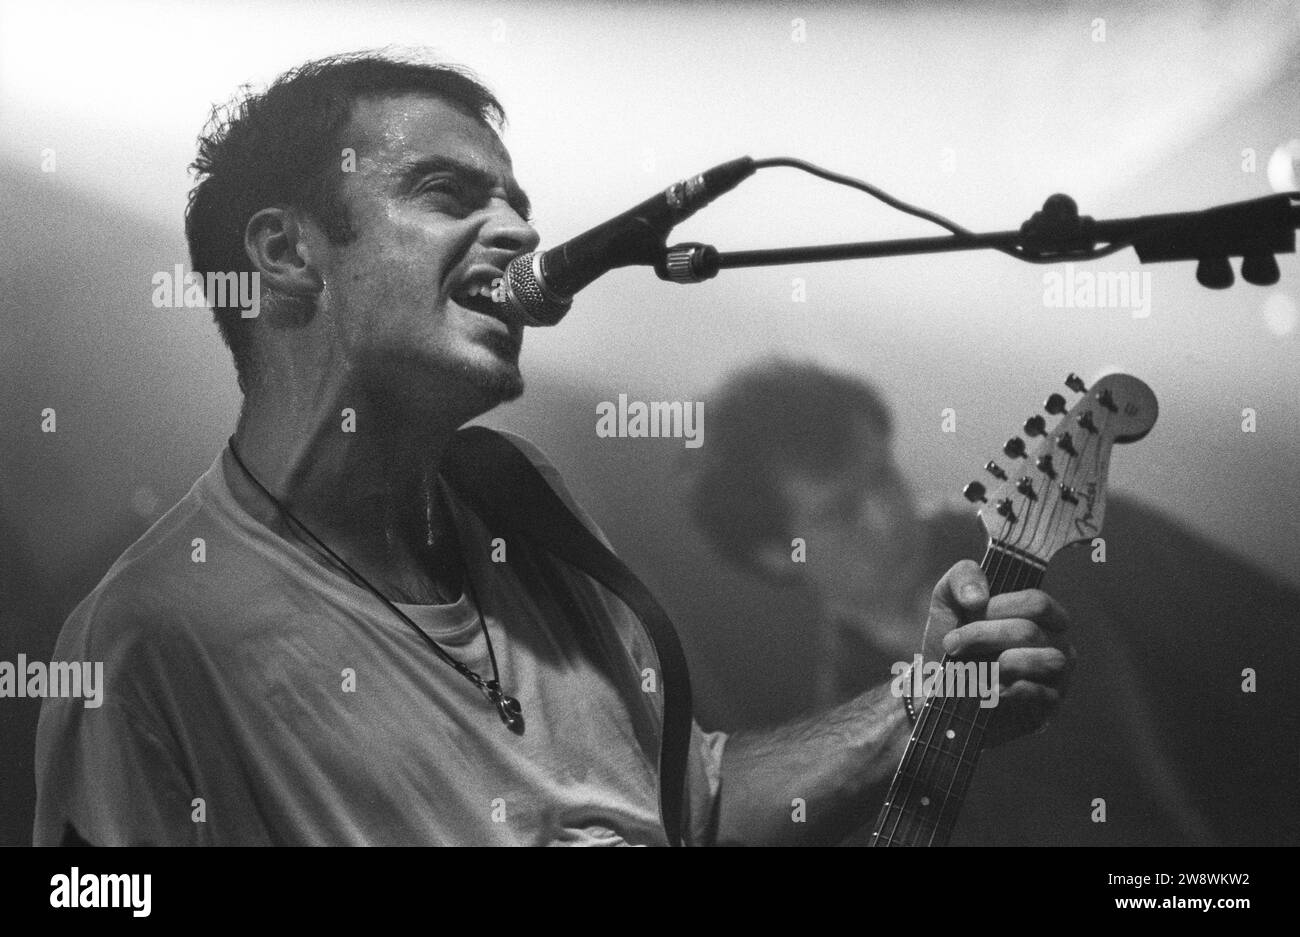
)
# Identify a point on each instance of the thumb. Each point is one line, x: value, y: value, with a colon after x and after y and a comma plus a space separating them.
x: 962, y: 595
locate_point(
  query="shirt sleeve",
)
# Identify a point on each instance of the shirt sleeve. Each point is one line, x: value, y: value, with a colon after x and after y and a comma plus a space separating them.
x: 111, y: 781
x: 704, y: 785
x: 111, y: 773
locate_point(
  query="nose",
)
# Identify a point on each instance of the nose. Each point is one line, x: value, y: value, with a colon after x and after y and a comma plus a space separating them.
x: 506, y: 230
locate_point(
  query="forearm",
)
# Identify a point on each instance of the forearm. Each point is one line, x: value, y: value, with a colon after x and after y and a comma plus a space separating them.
x: 837, y: 764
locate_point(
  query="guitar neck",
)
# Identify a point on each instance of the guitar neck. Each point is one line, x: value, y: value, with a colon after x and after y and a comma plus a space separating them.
x: 930, y: 785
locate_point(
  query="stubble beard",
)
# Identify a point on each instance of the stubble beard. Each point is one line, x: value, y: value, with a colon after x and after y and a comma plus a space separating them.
x: 502, y: 381
x: 499, y: 386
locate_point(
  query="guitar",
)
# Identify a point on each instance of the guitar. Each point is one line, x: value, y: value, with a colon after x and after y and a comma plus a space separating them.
x: 1054, y: 496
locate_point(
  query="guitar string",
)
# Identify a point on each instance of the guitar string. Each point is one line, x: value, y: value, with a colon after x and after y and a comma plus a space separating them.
x: 931, y: 713
x: 1023, y: 574
x: 972, y: 740
x: 974, y: 726
x: 951, y: 710
x: 940, y: 714
x: 910, y: 775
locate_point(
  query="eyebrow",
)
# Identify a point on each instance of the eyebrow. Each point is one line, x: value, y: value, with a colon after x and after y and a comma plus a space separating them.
x: 412, y: 172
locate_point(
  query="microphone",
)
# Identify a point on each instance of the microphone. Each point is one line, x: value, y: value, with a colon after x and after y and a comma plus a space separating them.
x: 540, y: 286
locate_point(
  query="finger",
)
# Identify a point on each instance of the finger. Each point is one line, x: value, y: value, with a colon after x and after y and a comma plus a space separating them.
x: 1049, y: 666
x: 1033, y: 604
x: 985, y: 640
x: 963, y: 587
x: 1034, y: 699
x: 1024, y: 707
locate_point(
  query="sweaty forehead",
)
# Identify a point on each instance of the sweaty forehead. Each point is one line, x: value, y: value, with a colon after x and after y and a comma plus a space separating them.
x: 389, y: 132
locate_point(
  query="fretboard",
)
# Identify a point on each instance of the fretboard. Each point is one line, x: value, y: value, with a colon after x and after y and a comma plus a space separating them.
x: 930, y: 786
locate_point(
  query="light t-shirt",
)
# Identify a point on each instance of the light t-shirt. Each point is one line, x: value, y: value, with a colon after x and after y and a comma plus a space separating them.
x: 255, y: 696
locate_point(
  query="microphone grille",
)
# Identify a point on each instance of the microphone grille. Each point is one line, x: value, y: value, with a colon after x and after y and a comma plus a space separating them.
x: 526, y: 291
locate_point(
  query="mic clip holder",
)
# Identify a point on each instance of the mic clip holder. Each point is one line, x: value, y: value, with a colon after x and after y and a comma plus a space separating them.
x: 691, y: 262
x: 1057, y: 230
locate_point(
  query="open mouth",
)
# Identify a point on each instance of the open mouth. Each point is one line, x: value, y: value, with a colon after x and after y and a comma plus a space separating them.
x: 476, y: 296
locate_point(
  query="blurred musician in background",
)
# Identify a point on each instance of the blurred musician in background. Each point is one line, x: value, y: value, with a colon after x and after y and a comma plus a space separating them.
x: 1159, y: 727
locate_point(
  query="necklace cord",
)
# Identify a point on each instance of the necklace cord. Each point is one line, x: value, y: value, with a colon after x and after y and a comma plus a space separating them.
x: 490, y: 688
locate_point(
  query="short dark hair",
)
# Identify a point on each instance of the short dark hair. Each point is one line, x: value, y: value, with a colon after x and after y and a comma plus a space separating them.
x: 766, y: 421
x: 283, y: 146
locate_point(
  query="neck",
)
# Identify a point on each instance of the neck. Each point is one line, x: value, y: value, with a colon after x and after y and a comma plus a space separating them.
x: 358, y: 466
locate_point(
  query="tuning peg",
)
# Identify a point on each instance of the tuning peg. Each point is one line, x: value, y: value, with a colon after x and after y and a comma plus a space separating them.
x: 1075, y: 383
x: 1214, y: 273
x: 1085, y: 420
x: 1035, y: 426
x: 995, y: 470
x: 1260, y: 269
x: 1068, y: 493
x: 974, y: 492
x: 1107, y: 401
x: 1055, y: 404
x: 1045, y: 466
x: 1026, y: 488
x: 1014, y: 447
x: 1004, y: 508
x: 1066, y: 444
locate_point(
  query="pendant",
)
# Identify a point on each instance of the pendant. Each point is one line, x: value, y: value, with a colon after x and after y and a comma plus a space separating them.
x: 508, y: 708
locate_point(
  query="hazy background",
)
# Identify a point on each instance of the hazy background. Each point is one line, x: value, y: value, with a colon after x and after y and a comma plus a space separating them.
x: 976, y: 110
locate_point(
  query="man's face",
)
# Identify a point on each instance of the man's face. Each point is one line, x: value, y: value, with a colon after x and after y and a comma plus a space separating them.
x: 437, y: 215
x: 860, y: 524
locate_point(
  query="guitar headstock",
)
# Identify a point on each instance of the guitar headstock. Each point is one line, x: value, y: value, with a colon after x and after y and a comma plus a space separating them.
x: 1054, y: 493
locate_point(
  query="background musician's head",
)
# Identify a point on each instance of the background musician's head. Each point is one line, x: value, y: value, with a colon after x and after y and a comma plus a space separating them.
x: 800, y: 451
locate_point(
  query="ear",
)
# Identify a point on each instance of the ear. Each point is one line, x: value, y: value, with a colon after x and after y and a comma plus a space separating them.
x: 280, y: 249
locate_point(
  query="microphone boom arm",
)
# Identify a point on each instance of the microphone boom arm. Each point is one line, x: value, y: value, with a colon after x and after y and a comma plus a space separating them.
x: 1255, y: 230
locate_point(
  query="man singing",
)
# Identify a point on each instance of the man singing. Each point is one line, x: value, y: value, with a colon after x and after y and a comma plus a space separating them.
x: 323, y: 643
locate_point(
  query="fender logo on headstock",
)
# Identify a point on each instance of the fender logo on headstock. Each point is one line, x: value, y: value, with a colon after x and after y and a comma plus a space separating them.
x: 1085, y: 525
